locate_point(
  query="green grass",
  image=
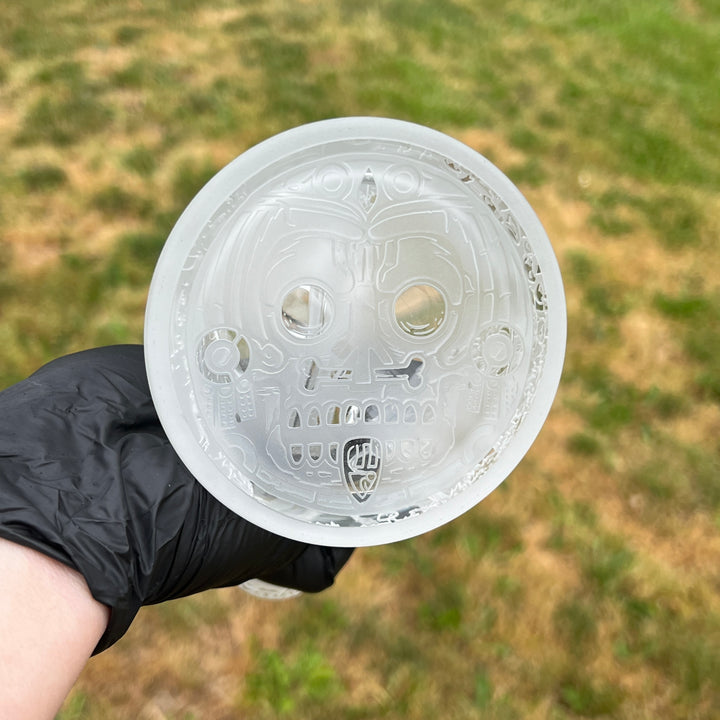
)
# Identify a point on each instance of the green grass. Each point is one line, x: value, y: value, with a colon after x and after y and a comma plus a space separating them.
x: 681, y: 474
x: 697, y: 318
x: 76, y: 708
x: 64, y: 120
x: 575, y: 622
x: 284, y: 685
x: 585, y: 586
x: 585, y: 697
x: 141, y: 160
x: 42, y: 177
x: 115, y: 201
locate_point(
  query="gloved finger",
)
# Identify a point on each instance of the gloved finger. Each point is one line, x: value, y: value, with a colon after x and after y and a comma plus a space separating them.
x: 312, y: 571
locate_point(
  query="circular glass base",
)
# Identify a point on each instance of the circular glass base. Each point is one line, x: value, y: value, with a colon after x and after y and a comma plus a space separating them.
x: 355, y: 331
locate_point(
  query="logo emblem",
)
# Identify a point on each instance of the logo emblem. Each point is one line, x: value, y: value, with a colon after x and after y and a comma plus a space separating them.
x: 362, y: 461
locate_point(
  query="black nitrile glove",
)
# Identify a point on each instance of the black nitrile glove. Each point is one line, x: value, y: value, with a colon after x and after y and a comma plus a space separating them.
x: 88, y: 477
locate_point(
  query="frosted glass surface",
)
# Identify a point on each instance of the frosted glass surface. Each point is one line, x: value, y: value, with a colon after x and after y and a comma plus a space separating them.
x: 355, y: 331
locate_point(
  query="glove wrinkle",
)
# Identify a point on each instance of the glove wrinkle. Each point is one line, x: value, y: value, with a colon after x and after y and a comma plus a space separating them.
x: 88, y: 477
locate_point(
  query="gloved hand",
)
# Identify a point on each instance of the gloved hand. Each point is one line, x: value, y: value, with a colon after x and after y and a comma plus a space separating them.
x: 88, y: 477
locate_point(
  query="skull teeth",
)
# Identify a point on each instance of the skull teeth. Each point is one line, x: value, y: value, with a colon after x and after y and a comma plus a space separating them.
x: 353, y: 414
x: 313, y: 453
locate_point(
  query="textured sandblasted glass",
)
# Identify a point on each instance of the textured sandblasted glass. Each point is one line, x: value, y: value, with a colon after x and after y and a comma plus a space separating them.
x: 355, y: 331
x: 268, y: 591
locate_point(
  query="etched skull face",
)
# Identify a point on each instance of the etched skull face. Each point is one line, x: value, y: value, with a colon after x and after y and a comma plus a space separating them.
x: 355, y: 332
x: 376, y: 337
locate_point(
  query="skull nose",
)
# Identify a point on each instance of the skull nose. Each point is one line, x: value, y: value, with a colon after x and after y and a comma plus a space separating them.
x: 362, y: 371
x: 363, y: 332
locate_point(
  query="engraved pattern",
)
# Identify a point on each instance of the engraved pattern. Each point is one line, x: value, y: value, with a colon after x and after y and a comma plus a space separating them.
x: 443, y: 408
x: 368, y: 191
x: 498, y: 350
x: 362, y: 467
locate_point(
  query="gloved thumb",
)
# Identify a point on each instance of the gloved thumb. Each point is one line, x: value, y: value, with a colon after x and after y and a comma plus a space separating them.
x: 313, y: 570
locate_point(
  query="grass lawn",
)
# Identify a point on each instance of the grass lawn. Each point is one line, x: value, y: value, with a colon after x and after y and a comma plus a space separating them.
x: 589, y: 584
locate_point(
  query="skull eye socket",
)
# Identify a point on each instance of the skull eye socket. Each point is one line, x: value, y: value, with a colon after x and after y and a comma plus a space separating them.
x: 306, y: 311
x: 420, y: 310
